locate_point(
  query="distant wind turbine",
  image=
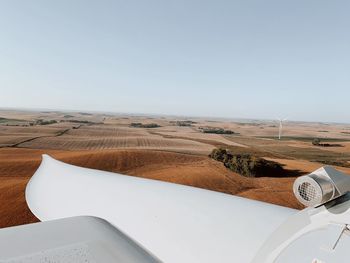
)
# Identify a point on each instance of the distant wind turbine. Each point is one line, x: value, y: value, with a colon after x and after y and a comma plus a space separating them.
x: 280, y: 128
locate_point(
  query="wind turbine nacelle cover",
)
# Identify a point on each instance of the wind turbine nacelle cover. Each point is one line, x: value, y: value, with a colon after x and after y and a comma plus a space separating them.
x: 321, y: 186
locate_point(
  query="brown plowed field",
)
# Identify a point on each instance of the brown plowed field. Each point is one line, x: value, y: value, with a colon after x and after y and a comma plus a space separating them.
x: 101, y: 138
x: 67, y: 142
x: 172, y: 153
x: 17, y: 166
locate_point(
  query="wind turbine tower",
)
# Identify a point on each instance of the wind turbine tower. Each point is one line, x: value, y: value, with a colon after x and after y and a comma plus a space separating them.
x: 280, y: 128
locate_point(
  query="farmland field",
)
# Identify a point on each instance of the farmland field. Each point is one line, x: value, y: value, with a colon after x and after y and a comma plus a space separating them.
x: 167, y: 151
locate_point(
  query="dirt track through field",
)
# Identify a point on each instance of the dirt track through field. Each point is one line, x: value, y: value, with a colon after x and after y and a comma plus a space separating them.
x: 60, y: 133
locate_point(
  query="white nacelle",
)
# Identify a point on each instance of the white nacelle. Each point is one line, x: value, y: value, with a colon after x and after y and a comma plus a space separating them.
x: 321, y: 186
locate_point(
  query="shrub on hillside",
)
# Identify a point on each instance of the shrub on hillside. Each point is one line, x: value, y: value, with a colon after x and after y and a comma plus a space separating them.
x: 45, y: 122
x: 316, y: 141
x: 246, y: 164
x: 141, y: 125
x: 215, y: 130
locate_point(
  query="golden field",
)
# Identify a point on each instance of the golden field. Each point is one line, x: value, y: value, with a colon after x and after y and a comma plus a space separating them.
x: 170, y: 152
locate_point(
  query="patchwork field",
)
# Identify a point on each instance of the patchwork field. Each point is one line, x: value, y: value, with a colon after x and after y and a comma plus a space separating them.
x: 163, y: 148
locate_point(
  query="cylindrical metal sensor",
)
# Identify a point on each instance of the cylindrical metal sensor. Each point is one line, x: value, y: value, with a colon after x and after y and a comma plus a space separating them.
x: 313, y: 190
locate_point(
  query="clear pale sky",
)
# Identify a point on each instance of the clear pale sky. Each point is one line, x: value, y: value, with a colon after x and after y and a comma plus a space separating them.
x: 243, y: 58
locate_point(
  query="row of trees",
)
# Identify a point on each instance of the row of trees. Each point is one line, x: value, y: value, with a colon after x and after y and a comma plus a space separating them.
x: 215, y: 130
x: 247, y: 165
x: 141, y: 125
x: 317, y: 142
x: 44, y: 122
x: 183, y: 123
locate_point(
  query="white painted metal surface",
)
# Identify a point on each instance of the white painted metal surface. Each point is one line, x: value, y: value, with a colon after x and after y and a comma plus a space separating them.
x: 320, y: 233
x: 176, y: 223
x: 70, y: 240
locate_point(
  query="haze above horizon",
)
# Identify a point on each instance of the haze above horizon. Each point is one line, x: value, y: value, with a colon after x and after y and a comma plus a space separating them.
x: 231, y: 59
